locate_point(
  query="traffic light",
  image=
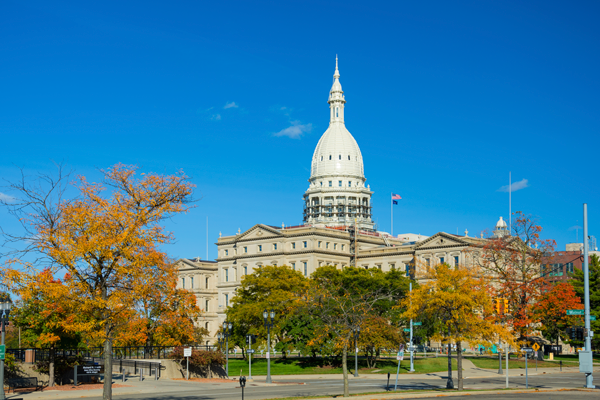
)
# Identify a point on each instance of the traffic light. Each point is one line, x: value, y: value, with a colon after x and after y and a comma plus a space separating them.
x: 505, y: 306
x: 497, y: 301
x: 250, y: 339
x: 580, y: 333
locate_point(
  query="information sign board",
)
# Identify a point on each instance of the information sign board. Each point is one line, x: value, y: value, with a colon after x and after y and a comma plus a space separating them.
x: 535, y: 347
x: 417, y: 323
x: 187, y: 351
x: 400, y: 356
x: 2, y: 352
x: 592, y: 317
x: 575, y: 312
x: 250, y: 351
x: 406, y: 330
x: 527, y: 349
x: 90, y: 369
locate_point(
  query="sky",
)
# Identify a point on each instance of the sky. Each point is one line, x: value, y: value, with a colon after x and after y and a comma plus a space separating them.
x: 443, y: 98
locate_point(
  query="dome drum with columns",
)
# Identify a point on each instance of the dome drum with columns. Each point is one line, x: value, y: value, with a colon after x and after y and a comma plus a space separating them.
x: 337, y: 195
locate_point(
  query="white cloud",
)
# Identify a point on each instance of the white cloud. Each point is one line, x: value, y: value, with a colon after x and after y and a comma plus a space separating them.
x: 216, y: 117
x: 230, y: 105
x: 515, y: 186
x: 295, y: 131
x: 6, y: 198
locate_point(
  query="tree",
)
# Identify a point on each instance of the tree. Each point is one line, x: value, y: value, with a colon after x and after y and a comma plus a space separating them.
x: 578, y: 284
x: 344, y: 300
x: 266, y: 288
x: 514, y: 264
x: 459, y: 298
x: 105, y: 240
x: 551, y: 310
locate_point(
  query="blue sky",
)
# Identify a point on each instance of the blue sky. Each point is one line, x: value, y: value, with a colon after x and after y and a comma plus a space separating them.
x: 444, y: 99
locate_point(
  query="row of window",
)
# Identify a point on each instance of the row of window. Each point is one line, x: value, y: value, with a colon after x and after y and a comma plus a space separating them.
x: 557, y: 269
x: 274, y: 247
x: 340, y: 157
x: 327, y: 245
x: 340, y: 183
x: 190, y: 282
x: 442, y: 260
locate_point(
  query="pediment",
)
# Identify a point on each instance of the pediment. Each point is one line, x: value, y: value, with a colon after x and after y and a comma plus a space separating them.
x: 441, y: 239
x: 259, y: 231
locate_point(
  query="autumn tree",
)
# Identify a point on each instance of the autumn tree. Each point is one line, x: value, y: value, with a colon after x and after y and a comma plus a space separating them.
x: 514, y: 264
x: 594, y: 281
x: 344, y: 299
x: 459, y: 299
x: 105, y: 240
x: 551, y: 310
x: 266, y: 288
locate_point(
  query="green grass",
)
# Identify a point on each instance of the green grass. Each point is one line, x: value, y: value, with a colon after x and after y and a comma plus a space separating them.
x: 307, y: 366
x: 492, y: 363
x: 573, y: 357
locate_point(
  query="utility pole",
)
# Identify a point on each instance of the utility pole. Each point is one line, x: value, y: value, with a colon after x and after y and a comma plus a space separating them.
x: 586, y: 356
x: 412, y: 367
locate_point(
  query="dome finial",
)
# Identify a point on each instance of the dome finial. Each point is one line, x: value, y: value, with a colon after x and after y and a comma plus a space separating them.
x: 336, y: 75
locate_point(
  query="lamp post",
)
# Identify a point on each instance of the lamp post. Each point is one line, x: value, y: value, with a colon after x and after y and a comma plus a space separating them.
x: 220, y: 340
x: 269, y: 325
x: 5, y: 308
x: 227, y: 327
x: 356, y: 332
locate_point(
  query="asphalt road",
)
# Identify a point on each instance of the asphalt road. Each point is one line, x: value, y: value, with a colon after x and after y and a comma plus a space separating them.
x: 319, y: 387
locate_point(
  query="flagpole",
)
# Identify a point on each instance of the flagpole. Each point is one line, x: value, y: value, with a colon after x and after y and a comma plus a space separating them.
x: 392, y: 208
x: 509, y: 203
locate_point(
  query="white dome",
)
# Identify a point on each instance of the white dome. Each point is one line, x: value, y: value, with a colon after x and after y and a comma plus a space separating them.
x: 337, y: 154
x: 501, y: 223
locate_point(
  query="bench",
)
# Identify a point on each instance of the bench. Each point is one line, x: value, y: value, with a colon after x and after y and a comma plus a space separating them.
x: 17, y: 383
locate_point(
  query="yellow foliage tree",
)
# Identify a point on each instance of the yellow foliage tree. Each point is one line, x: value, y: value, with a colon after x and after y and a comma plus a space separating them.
x: 105, y: 241
x: 458, y: 298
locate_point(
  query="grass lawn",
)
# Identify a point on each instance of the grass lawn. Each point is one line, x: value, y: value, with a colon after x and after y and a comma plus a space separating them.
x: 574, y: 357
x: 492, y: 363
x: 306, y: 366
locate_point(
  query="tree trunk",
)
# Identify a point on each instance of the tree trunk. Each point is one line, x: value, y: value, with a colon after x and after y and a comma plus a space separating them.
x: 459, y: 364
x: 107, y: 392
x: 51, y: 367
x: 345, y: 369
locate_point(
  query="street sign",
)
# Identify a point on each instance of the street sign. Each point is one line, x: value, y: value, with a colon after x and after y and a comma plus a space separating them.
x: 2, y: 351
x: 90, y: 369
x: 187, y: 351
x: 527, y: 349
x: 592, y: 317
x: 400, y: 356
x: 406, y: 330
x: 250, y: 351
x: 535, y: 347
x: 575, y: 312
x: 417, y: 323
x: 411, y: 348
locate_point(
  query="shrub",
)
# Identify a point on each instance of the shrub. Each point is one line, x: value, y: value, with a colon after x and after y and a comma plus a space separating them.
x: 200, y: 358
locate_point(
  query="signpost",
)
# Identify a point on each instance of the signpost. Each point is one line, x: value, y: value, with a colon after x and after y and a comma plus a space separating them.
x: 187, y: 353
x: 575, y: 312
x: 400, y: 357
x: 535, y: 348
x: 527, y: 350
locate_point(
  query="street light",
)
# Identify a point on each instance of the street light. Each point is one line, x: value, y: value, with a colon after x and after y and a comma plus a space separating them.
x: 227, y: 327
x: 356, y: 332
x: 5, y: 308
x: 269, y: 325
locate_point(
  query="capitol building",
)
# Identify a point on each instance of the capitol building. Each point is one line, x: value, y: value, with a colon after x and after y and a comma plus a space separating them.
x: 338, y: 230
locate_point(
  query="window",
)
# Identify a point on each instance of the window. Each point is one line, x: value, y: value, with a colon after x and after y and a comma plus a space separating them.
x: 183, y: 283
x: 274, y: 246
x: 348, y: 157
x: 327, y: 245
x: 321, y: 183
x: 226, y: 252
x: 206, y: 326
x: 456, y: 261
x: 337, y: 112
x: 293, y: 266
x: 192, y: 282
x: 335, y: 246
x: 245, y: 249
x: 321, y: 158
x: 340, y: 157
x: 378, y: 266
x: 226, y: 275
x: 570, y: 267
x: 343, y: 247
x: 274, y: 264
x: 206, y: 282
x: 305, y: 269
x: 206, y: 302
x: 293, y: 245
x: 428, y: 262
x: 260, y: 247
x: 442, y: 260
x: 340, y: 183
x: 330, y: 183
x: 245, y: 270
x: 226, y: 300
x: 330, y: 157
x: 349, y: 183
x: 392, y: 266
x: 543, y: 270
x: 319, y: 244
x: 305, y: 244
x: 407, y: 269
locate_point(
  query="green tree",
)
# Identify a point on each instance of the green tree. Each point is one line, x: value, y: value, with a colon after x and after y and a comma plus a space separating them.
x: 266, y: 288
x: 577, y: 283
x: 344, y: 299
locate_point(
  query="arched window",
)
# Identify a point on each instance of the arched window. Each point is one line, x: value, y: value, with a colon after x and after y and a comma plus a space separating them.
x: 348, y: 157
x: 321, y: 158
x: 340, y: 157
x: 337, y: 112
x: 330, y: 157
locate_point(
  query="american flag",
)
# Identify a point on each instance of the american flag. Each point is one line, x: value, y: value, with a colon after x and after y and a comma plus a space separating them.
x: 396, y: 197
